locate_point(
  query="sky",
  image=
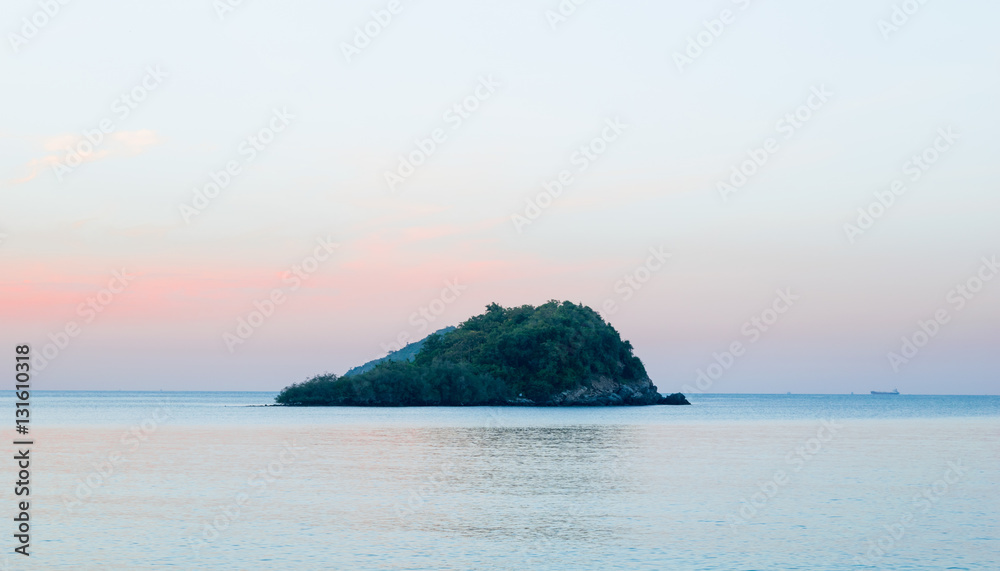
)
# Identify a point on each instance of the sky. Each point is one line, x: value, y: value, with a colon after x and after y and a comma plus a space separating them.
x: 761, y: 196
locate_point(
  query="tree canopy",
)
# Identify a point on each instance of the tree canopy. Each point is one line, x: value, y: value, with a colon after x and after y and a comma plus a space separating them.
x: 504, y: 355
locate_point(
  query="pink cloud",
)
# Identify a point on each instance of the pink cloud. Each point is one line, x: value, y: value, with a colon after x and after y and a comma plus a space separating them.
x: 117, y: 144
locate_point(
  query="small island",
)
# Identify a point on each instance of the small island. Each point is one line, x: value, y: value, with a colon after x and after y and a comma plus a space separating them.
x: 556, y: 354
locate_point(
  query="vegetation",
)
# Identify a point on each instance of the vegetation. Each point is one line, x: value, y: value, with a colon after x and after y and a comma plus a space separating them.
x: 504, y: 356
x: 407, y: 353
x: 399, y: 383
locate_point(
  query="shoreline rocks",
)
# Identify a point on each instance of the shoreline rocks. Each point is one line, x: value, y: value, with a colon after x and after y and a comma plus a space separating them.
x: 607, y: 392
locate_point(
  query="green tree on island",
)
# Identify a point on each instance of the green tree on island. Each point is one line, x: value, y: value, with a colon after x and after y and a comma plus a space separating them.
x: 558, y: 353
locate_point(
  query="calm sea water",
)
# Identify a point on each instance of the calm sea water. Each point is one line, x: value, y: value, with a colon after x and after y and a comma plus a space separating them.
x: 137, y: 480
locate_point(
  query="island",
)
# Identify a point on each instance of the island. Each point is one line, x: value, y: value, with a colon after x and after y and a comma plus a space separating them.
x: 556, y: 354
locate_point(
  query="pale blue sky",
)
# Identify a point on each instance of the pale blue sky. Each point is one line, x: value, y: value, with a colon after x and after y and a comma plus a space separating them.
x: 655, y: 185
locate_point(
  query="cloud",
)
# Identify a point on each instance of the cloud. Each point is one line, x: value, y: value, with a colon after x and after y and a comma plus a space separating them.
x: 118, y: 144
x: 135, y: 142
x: 34, y: 166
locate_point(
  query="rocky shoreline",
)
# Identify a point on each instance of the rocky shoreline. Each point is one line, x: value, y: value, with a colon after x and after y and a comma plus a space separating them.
x: 599, y: 392
x: 607, y: 392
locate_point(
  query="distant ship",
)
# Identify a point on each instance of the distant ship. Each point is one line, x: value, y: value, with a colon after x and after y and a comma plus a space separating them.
x: 892, y: 392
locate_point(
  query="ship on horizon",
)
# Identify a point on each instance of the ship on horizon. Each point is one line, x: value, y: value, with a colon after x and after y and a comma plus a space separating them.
x: 892, y: 392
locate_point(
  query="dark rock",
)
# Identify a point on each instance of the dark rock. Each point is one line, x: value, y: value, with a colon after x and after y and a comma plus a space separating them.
x: 676, y: 398
x: 607, y: 392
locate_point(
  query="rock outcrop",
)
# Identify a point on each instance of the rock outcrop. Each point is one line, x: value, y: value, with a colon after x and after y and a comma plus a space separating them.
x: 607, y: 392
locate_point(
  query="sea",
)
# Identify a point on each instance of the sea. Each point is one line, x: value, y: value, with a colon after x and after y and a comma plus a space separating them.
x: 220, y: 480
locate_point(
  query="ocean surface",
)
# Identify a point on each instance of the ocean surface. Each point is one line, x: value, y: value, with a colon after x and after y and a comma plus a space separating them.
x: 214, y: 480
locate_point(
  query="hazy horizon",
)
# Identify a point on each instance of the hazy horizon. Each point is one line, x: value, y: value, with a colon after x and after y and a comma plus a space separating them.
x: 494, y: 406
